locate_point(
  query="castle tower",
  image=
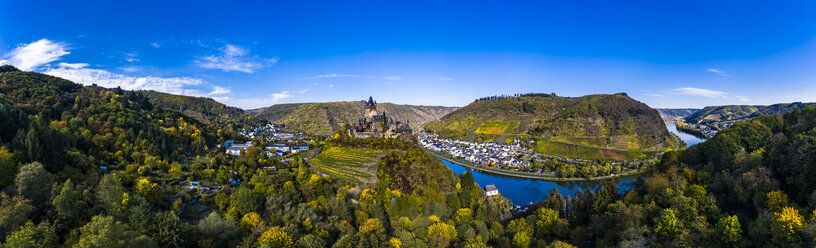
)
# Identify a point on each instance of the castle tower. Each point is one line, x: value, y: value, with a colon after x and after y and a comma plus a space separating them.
x: 370, y: 109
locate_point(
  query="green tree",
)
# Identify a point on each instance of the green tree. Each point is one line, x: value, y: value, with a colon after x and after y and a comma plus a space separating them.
x: 243, y: 201
x: 103, y: 231
x: 786, y: 225
x: 69, y: 203
x: 666, y: 224
x: 521, y: 240
x: 14, y: 212
x: 440, y: 234
x: 168, y: 229
x: 547, y: 218
x: 276, y: 237
x: 729, y: 229
x: 216, y: 231
x: 555, y: 200
x: 8, y: 168
x: 311, y: 241
x: 32, y: 236
x: 148, y: 190
x: 559, y: 244
x: 777, y: 200
x: 34, y: 183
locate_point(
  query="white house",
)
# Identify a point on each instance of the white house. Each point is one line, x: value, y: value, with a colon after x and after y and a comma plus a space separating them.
x: 491, y: 190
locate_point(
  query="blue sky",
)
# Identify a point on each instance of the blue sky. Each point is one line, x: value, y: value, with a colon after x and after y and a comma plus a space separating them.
x: 255, y: 54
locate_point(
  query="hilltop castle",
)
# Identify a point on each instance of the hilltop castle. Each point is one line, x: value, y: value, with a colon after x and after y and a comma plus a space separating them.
x: 373, y: 124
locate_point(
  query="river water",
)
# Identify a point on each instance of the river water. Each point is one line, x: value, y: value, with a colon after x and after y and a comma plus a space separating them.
x: 523, y: 191
x: 688, y: 138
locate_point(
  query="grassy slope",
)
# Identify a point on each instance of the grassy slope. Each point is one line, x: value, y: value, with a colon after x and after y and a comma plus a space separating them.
x: 324, y: 118
x: 547, y: 116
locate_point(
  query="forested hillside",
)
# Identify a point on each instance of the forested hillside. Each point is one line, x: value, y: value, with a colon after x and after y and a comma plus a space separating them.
x: 205, y: 110
x: 325, y: 118
x: 548, y: 115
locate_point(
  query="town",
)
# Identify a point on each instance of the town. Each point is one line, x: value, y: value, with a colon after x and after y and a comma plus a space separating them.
x: 278, y: 143
x: 484, y: 154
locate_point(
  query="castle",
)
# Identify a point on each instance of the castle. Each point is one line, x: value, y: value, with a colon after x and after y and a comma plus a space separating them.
x: 373, y: 124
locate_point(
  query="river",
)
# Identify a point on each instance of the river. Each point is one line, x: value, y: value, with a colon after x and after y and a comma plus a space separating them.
x: 525, y: 191
x: 688, y: 138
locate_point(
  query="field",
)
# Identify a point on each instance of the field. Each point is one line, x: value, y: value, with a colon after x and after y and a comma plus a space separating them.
x: 498, y: 127
x: 557, y: 147
x: 344, y: 163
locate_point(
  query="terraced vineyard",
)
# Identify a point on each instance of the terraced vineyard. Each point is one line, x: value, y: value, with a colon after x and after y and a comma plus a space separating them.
x: 558, y: 147
x: 345, y: 163
x: 498, y: 127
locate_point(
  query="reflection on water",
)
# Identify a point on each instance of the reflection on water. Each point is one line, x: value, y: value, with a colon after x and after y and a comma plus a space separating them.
x: 688, y: 138
x: 523, y: 191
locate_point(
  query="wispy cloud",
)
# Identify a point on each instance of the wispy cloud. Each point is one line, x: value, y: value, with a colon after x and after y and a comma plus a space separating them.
x: 32, y: 56
x: 742, y: 99
x: 155, y: 44
x: 88, y: 76
x: 73, y: 65
x: 655, y: 95
x: 130, y: 68
x: 719, y: 72
x: 132, y: 57
x: 690, y: 91
x: 390, y: 78
x: 235, y: 58
x: 218, y: 90
x: 446, y: 78
x: 252, y: 103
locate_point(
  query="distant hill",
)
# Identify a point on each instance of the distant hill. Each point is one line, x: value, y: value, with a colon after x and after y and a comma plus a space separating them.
x: 721, y: 113
x: 670, y: 114
x: 740, y: 112
x: 205, y: 110
x: 713, y: 118
x: 324, y: 118
x: 620, y: 120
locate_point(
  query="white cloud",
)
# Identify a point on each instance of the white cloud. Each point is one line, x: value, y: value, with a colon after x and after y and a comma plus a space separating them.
x: 130, y: 68
x: 132, y: 57
x: 31, y: 56
x: 74, y: 65
x: 253, y: 103
x: 390, y: 78
x: 155, y: 45
x: 719, y: 72
x: 689, y: 91
x: 218, y: 90
x: 87, y: 76
x: 234, y: 58
x: 742, y: 99
x: 446, y: 78
x: 331, y: 85
x: 655, y: 95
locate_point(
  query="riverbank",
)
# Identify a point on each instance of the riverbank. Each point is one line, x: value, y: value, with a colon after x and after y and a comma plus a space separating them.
x: 529, y: 176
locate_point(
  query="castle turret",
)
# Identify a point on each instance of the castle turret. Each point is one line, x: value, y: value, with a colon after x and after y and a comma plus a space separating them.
x: 370, y: 108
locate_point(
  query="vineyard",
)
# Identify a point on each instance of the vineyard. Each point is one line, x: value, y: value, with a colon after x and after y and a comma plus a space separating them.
x: 345, y: 163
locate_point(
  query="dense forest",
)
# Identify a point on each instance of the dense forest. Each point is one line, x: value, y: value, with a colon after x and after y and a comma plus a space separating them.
x: 93, y: 167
